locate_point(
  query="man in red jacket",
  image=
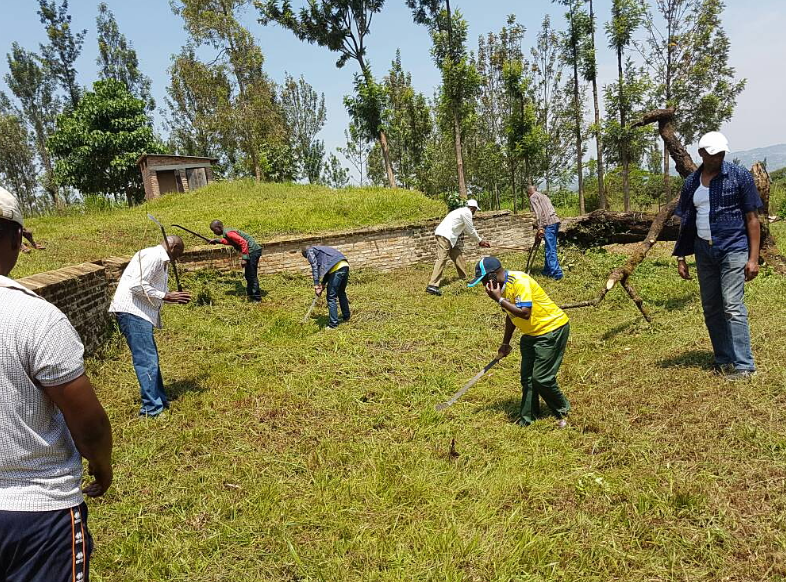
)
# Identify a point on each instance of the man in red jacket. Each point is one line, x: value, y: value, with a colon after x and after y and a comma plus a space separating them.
x: 250, y: 253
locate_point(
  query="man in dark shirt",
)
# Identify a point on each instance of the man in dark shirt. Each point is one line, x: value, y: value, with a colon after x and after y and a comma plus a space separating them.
x: 250, y: 253
x: 720, y: 224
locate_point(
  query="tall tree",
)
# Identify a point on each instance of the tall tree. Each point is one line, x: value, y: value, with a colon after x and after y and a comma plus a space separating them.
x: 626, y: 17
x: 196, y: 96
x: 251, y: 114
x: 689, y: 54
x: 17, y: 157
x: 64, y: 46
x: 357, y: 151
x: 34, y: 87
x: 590, y: 72
x: 117, y: 58
x: 97, y: 144
x: 341, y: 26
x: 460, y: 79
x: 553, y: 103
x: 408, y: 119
x: 305, y: 115
x: 574, y: 41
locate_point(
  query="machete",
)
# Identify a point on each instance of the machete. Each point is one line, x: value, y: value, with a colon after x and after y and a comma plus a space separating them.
x: 310, y: 309
x: 532, y: 252
x: 169, y: 251
x: 467, y: 386
x: 192, y: 232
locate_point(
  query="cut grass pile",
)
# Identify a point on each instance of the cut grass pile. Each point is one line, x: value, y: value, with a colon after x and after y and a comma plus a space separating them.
x: 263, y: 210
x: 294, y: 454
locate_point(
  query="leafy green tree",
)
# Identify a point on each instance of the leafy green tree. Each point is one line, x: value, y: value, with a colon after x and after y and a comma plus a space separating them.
x: 249, y: 116
x: 626, y: 17
x: 17, y: 157
x: 34, y: 88
x: 117, y: 58
x: 689, y: 56
x: 341, y: 26
x: 97, y: 144
x: 626, y: 145
x: 196, y: 96
x: 575, y: 41
x: 334, y: 174
x: 408, y: 119
x: 305, y: 115
x: 356, y: 151
x: 64, y: 46
x: 460, y: 79
x: 553, y: 102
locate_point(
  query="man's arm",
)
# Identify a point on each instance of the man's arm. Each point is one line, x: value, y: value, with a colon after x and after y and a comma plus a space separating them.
x: 505, y: 348
x: 311, y: 255
x: 241, y: 242
x: 469, y: 226
x: 753, y: 227
x: 89, y: 427
x: 494, y: 290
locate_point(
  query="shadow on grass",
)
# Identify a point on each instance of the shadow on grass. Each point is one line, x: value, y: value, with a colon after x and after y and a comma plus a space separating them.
x: 237, y: 287
x: 615, y: 331
x: 674, y: 303
x: 703, y: 359
x: 185, y: 386
x: 510, y: 406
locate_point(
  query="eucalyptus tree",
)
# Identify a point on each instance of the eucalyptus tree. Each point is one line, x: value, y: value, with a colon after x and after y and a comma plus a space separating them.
x: 341, y: 26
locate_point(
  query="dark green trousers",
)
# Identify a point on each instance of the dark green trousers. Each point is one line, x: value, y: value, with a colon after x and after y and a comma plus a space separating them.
x: 541, y: 358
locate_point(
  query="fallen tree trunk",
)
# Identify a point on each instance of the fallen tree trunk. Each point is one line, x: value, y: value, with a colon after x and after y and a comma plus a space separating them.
x: 604, y: 227
x: 685, y: 166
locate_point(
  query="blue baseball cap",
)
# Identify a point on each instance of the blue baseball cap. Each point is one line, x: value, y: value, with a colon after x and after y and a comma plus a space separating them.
x: 485, y: 266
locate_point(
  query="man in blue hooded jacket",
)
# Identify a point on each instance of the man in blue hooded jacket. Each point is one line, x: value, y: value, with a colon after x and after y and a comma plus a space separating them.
x: 719, y: 207
x: 329, y: 268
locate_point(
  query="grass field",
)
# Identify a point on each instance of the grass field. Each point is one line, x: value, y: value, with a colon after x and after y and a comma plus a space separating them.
x: 264, y: 210
x: 294, y: 454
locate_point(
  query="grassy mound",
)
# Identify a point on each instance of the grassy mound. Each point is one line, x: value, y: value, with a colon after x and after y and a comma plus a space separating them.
x: 263, y: 210
x: 294, y: 454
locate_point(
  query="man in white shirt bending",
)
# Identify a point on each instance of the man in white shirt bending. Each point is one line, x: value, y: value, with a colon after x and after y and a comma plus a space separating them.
x: 449, y: 245
x: 137, y: 303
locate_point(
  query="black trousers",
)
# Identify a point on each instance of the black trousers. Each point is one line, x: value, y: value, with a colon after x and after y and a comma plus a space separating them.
x: 252, y: 278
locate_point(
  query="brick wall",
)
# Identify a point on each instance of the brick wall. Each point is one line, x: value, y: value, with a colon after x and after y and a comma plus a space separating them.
x: 80, y: 291
x: 83, y: 292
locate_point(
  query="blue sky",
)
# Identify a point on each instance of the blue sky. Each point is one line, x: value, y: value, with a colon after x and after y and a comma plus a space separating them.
x: 757, y: 40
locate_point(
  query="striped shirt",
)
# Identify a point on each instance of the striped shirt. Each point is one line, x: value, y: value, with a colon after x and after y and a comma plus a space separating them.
x: 143, y: 285
x: 543, y: 210
x: 40, y: 467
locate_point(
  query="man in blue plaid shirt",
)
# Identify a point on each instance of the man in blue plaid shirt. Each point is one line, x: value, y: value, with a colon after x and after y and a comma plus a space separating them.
x: 719, y: 206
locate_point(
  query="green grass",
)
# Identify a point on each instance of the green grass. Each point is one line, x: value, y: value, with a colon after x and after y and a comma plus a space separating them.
x: 264, y: 210
x: 294, y: 454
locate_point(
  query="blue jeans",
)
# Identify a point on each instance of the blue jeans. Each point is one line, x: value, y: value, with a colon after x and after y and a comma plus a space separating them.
x: 252, y: 278
x: 551, y: 266
x: 337, y: 289
x: 722, y: 283
x: 144, y: 354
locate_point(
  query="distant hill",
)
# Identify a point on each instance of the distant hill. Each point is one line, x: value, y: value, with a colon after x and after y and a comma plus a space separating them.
x: 775, y: 156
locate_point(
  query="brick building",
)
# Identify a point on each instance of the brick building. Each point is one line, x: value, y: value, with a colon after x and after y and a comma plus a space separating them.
x: 164, y: 173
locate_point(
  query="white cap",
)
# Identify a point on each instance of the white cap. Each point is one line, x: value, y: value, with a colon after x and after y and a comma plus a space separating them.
x: 9, y: 207
x: 713, y: 143
x: 473, y: 202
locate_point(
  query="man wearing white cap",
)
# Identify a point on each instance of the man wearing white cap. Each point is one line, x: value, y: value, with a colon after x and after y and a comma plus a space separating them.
x: 49, y: 419
x: 719, y: 207
x: 449, y: 246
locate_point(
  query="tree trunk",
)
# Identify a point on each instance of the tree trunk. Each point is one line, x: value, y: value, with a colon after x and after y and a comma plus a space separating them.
x: 459, y: 155
x: 769, y: 250
x: 383, y: 143
x: 604, y: 227
x: 579, y: 169
x: 624, y: 145
x: 603, y: 203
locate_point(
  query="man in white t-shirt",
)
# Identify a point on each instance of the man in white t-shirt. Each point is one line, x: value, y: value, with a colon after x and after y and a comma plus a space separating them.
x: 449, y: 245
x: 49, y: 419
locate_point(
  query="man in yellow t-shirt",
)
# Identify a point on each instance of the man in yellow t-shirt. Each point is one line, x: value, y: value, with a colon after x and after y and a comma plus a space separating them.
x: 544, y: 334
